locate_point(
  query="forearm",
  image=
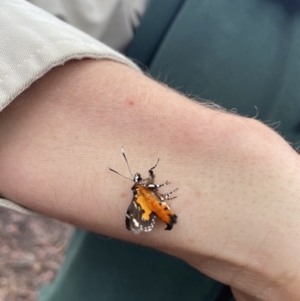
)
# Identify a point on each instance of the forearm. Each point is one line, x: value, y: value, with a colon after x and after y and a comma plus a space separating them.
x: 63, y: 132
x: 60, y: 135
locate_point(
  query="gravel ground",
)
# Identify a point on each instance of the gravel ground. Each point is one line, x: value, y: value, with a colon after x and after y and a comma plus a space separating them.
x: 31, y: 251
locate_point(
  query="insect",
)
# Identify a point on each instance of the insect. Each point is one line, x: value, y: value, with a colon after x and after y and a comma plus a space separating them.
x: 147, y: 203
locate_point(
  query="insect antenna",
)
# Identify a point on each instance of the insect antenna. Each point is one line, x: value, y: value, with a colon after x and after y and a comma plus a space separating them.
x: 123, y: 153
x: 119, y: 174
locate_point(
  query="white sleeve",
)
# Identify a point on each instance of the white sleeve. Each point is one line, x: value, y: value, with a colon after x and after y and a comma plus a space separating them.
x: 111, y: 21
x: 31, y: 43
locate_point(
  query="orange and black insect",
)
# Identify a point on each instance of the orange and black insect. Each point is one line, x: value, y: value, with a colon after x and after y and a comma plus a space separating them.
x: 147, y: 203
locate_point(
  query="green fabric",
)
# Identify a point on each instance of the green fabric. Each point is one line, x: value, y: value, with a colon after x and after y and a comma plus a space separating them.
x: 150, y: 34
x: 241, y: 54
x: 100, y: 268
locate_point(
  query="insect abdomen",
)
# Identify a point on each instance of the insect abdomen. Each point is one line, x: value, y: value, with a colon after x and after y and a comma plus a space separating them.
x: 158, y: 207
x: 164, y: 213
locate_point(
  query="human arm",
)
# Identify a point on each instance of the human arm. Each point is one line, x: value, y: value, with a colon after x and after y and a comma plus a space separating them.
x: 188, y: 133
x: 237, y: 205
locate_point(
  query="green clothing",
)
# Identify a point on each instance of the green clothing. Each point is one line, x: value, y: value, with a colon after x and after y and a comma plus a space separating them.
x: 241, y: 54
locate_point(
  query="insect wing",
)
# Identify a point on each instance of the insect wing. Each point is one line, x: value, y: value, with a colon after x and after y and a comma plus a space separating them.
x: 135, y: 221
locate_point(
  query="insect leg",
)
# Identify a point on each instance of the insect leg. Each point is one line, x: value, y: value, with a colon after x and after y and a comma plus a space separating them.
x: 155, y: 165
x: 151, y: 174
x: 152, y: 185
x: 167, y: 195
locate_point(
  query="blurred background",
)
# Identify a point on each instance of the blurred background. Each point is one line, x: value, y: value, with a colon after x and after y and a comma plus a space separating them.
x: 31, y: 251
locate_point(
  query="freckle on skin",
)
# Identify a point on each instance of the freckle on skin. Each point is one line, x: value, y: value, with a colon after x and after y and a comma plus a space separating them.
x: 123, y: 195
x: 131, y: 103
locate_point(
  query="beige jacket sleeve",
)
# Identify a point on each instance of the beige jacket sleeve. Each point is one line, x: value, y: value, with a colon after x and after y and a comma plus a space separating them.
x: 111, y: 21
x: 32, y: 42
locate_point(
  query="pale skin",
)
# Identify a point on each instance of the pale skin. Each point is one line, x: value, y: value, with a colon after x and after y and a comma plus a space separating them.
x: 238, y: 201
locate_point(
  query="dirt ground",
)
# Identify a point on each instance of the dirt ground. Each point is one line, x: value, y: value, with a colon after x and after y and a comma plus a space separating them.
x: 31, y: 251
